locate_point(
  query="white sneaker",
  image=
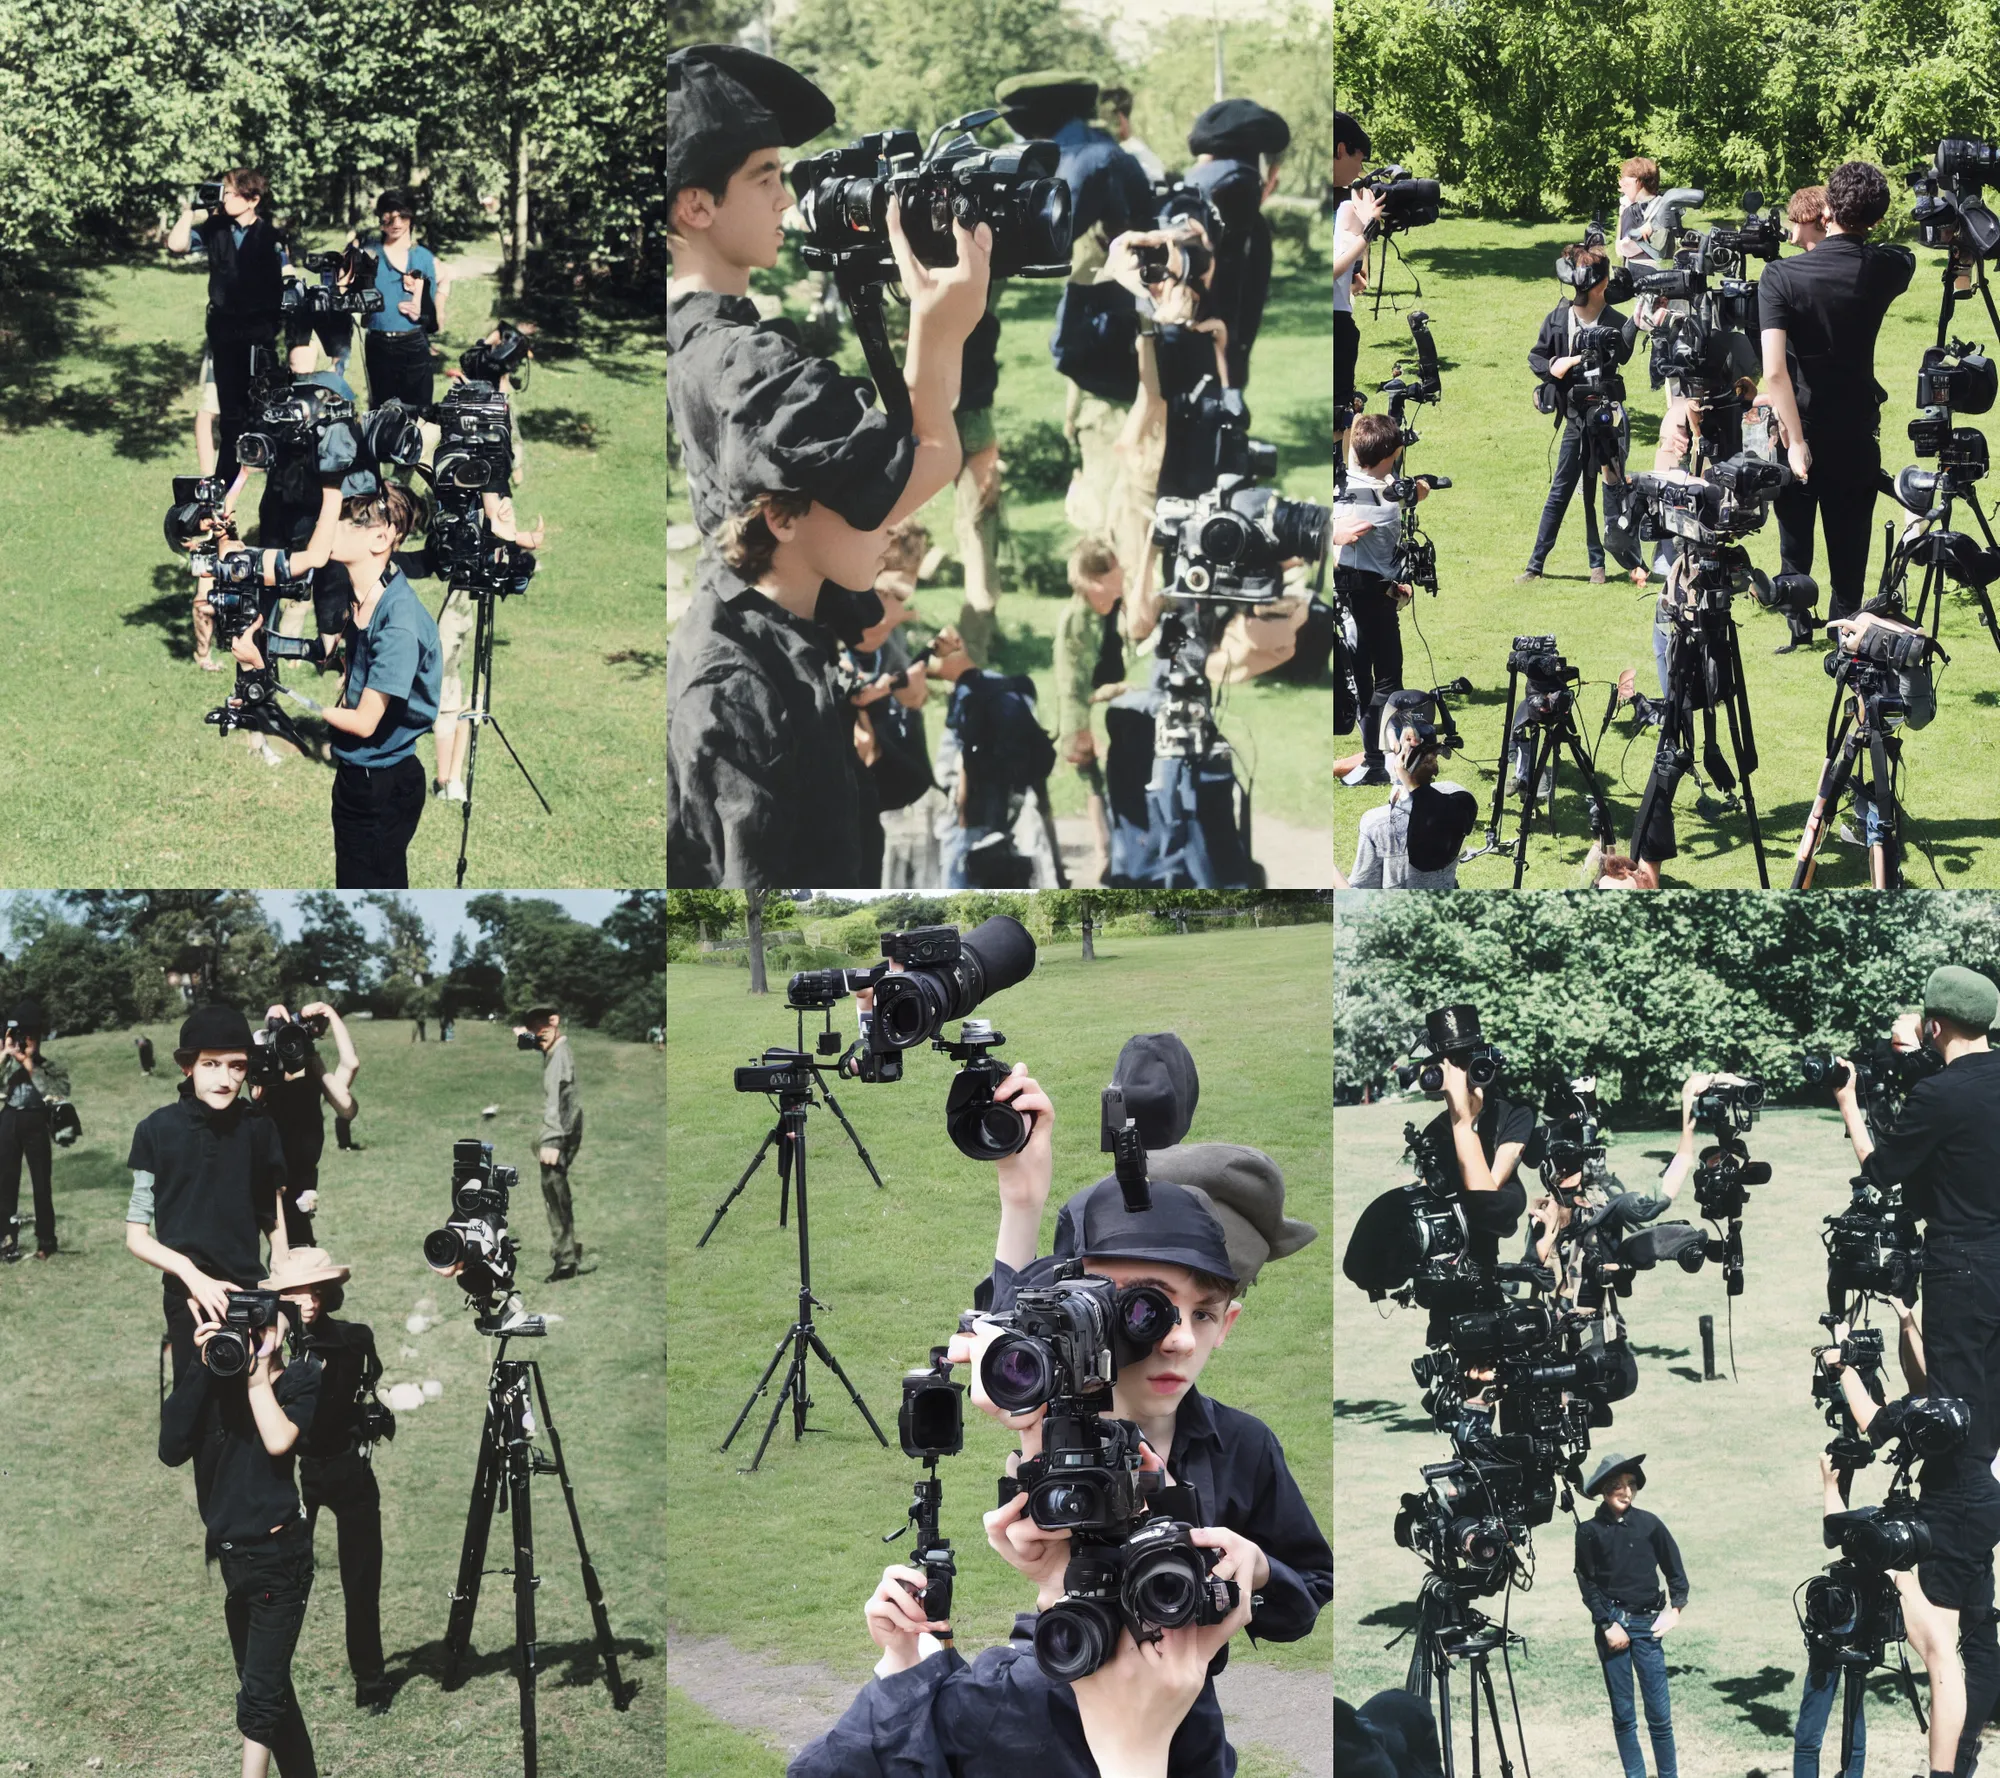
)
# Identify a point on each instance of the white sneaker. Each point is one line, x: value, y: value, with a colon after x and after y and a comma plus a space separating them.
x: 454, y: 792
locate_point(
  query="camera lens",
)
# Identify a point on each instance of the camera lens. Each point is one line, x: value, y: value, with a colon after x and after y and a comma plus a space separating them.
x: 980, y: 1128
x: 911, y: 1007
x: 1145, y: 1317
x: 1163, y: 1588
x: 1074, y: 1638
x: 1300, y: 528
x: 1016, y: 1372
x: 443, y: 1249
x: 227, y: 1353
x: 1058, y: 1506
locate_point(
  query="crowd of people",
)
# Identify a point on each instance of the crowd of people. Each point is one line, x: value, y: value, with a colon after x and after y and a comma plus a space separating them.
x: 1802, y: 394
x: 342, y: 500
x: 797, y: 713
x: 227, y: 1198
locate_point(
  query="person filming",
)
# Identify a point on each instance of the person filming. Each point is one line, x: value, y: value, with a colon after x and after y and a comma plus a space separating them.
x: 1820, y: 313
x: 293, y: 1104
x: 31, y: 1087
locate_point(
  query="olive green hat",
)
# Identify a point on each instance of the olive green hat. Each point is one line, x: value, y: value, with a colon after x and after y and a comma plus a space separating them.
x: 1964, y: 996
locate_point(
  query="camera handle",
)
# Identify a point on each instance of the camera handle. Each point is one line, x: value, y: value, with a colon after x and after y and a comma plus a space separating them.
x: 932, y: 1551
x: 862, y: 295
x: 1951, y: 297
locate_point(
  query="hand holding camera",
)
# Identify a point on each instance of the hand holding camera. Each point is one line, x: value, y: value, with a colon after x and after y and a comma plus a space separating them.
x: 950, y: 298
x: 1025, y: 1176
x: 895, y: 1616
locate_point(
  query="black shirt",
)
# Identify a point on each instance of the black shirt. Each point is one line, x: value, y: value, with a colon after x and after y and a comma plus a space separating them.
x: 1830, y: 302
x: 216, y: 1179
x: 996, y: 1716
x: 1945, y: 1148
x: 762, y: 777
x: 294, y: 1108
x: 1488, y: 1215
x: 243, y: 1491
x: 346, y: 1351
x: 246, y: 281
x: 1242, y: 281
x: 1619, y: 1560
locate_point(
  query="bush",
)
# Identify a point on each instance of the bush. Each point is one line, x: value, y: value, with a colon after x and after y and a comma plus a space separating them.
x: 1038, y: 459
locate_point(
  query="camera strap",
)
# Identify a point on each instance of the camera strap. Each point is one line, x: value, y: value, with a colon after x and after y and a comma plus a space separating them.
x: 863, y: 298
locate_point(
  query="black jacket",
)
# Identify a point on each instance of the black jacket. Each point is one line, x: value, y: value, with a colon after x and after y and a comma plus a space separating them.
x: 1553, y: 340
x: 1619, y: 1561
x: 762, y: 777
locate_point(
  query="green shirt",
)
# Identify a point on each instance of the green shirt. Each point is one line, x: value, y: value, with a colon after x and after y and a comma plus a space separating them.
x: 1079, y: 639
x: 22, y: 1091
x: 561, y: 1111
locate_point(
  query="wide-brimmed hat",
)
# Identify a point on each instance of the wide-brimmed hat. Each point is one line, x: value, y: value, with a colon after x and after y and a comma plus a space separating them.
x: 304, y: 1267
x: 1614, y: 1463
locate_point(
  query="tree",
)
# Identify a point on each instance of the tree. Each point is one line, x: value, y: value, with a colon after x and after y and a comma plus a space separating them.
x: 753, y: 912
x: 218, y: 942
x: 547, y: 955
x: 708, y: 912
x: 332, y: 953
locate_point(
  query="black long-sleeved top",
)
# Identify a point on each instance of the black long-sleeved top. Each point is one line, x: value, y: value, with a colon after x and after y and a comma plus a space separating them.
x: 244, y: 1493
x: 346, y: 1350
x: 1945, y: 1148
x: 996, y: 1716
x: 1553, y: 341
x: 1620, y: 1559
x: 1489, y: 1216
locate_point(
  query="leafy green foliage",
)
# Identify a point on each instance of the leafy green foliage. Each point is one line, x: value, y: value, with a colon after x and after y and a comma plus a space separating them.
x: 1641, y: 989
x: 1527, y: 111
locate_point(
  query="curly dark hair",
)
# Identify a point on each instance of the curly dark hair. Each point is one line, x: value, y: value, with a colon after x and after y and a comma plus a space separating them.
x: 1857, y: 192
x: 747, y: 543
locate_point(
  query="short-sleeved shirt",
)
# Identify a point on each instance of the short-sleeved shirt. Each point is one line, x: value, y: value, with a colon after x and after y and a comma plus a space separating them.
x: 1830, y: 303
x: 1945, y: 1148
x: 399, y: 656
x: 244, y: 1493
x: 216, y: 1178
x: 1488, y: 1215
x: 390, y: 318
x: 1382, y: 849
x: 1343, y: 285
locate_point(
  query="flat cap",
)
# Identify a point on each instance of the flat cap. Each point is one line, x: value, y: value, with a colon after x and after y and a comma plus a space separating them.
x: 1963, y: 996
x: 1239, y: 129
x: 725, y: 102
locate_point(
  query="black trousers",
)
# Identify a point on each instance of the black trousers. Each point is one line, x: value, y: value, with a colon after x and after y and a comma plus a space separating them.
x: 1346, y: 355
x: 24, y: 1136
x: 1961, y: 1294
x: 269, y: 1583
x: 241, y: 347
x: 1571, y: 464
x: 1841, y: 489
x: 399, y: 368
x: 346, y: 1487
x: 375, y: 814
x: 1378, y: 664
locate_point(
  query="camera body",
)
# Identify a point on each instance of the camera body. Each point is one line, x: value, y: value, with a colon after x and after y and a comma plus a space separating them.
x: 1157, y: 1578
x: 292, y: 421
x: 844, y: 196
x: 283, y: 1047
x: 1232, y: 543
x: 1853, y: 1612
x: 1188, y: 260
x: 1951, y: 210
x: 1064, y: 1341
x: 326, y: 297
x: 487, y: 361
x: 980, y: 1126
x: 1725, y: 504
x: 781, y: 1071
x: 931, y: 1421
x: 474, y: 1245
x: 1407, y: 202
x: 232, y: 1347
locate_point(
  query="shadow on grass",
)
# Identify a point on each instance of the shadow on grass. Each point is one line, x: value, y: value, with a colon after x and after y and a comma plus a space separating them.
x: 563, y: 1664
x: 1388, y: 1415
x: 644, y: 662
x: 1661, y: 1352
x: 1403, y: 1615
x: 170, y: 610
x: 1747, y: 1695
x: 568, y: 427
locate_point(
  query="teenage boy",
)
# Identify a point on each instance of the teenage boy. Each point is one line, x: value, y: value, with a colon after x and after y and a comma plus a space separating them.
x: 561, y: 1137
x: 1239, y: 147
x: 1203, y: 1243
x: 293, y: 1104
x: 335, y: 1471
x: 388, y: 695
x: 756, y: 415
x: 31, y: 1085
x: 241, y: 1434
x: 206, y: 1177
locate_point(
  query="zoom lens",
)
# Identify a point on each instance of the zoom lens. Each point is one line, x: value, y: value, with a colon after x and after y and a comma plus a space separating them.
x: 1016, y: 1372
x: 1146, y: 1316
x: 227, y: 1353
x: 1163, y: 1588
x: 444, y: 1249
x: 1074, y: 1638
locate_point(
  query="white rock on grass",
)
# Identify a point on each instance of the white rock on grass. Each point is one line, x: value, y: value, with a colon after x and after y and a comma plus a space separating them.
x: 406, y: 1398
x: 432, y: 1389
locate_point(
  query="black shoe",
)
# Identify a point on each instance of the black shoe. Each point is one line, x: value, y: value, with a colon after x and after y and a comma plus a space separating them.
x: 10, y: 1255
x: 560, y: 1274
x: 373, y: 1696
x: 1374, y: 772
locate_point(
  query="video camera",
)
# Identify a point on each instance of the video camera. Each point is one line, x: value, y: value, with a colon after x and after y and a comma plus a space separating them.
x: 1957, y: 376
x: 327, y: 297
x: 231, y: 1348
x: 931, y: 1424
x: 844, y: 196
x: 474, y: 1246
x: 1552, y: 681
x: 1570, y: 1139
x: 1862, y: 1352
x: 1727, y: 502
x: 284, y: 1046
x: 487, y: 361
x: 1469, y: 1524
x: 1424, y: 1070
x: 1709, y: 274
x: 1414, y: 1242
x: 1189, y: 258
x: 1951, y: 210
x: 198, y: 498
x: 1406, y: 202
x: 292, y: 419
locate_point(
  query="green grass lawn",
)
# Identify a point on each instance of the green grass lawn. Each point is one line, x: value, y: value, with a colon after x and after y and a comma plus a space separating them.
x: 1279, y: 730
x: 781, y: 1560
x: 112, y: 1643
x: 1486, y: 287
x: 107, y: 771
x: 1732, y: 1468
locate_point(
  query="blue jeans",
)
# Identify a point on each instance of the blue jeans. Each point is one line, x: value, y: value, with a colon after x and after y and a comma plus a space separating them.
x: 1818, y: 1705
x: 1644, y: 1654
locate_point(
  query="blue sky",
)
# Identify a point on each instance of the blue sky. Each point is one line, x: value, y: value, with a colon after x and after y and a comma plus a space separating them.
x: 444, y: 910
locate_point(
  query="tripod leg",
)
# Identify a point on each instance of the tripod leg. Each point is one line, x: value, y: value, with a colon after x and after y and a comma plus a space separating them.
x: 1600, y: 812
x: 853, y: 1135
x: 756, y: 1161
x: 1833, y: 780
x: 472, y: 1552
x: 793, y: 1391
x: 763, y: 1383
x: 1493, y: 1713
x: 1444, y: 1714
x: 833, y: 1364
x: 1851, y: 1683
x: 1743, y: 744
x: 520, y: 1473
x: 600, y: 1617
x: 473, y: 715
x: 786, y: 1151
x: 1885, y: 862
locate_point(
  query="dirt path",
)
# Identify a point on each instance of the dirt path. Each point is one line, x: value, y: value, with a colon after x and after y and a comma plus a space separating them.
x: 786, y: 1704
x: 1292, y: 857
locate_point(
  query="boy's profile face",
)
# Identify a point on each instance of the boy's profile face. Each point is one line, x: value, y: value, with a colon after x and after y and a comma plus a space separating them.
x: 218, y: 1076
x: 744, y: 229
x: 1156, y: 1384
x: 1102, y: 592
x: 357, y: 541
x: 828, y: 546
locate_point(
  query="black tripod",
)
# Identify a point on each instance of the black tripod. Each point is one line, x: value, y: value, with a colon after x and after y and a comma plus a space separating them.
x: 1450, y: 1630
x: 1385, y: 239
x: 1864, y: 755
x: 1548, y: 727
x: 507, y: 1449
x: 478, y: 712
x: 773, y: 1137
x: 1944, y: 558
x: 1704, y: 673
x: 801, y: 1338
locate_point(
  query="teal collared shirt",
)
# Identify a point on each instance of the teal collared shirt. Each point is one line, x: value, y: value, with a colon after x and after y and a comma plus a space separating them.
x: 398, y: 655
